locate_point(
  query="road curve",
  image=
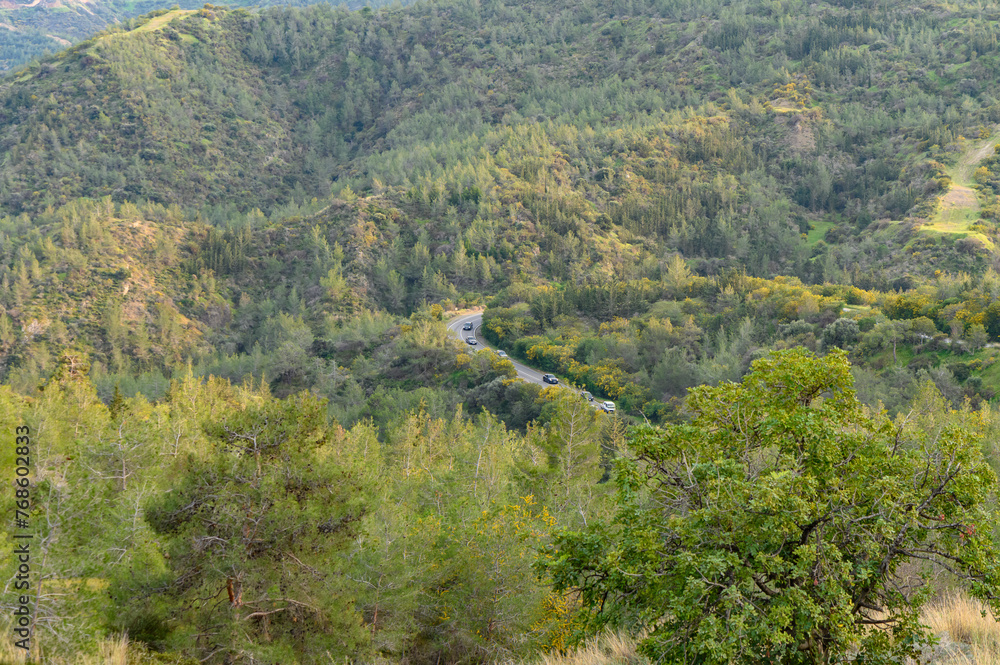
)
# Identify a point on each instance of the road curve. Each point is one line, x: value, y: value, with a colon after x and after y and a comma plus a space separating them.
x: 523, y: 371
x: 455, y: 325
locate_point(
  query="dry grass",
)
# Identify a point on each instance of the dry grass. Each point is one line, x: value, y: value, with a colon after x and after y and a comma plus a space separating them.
x: 608, y: 649
x: 976, y: 656
x: 112, y: 651
x: 967, y: 637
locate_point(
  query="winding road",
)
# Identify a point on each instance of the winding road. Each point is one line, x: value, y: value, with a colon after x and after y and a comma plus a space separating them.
x: 455, y: 325
x: 523, y: 371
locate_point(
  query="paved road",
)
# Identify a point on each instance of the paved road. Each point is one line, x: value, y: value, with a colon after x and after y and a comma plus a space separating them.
x: 523, y: 371
x: 455, y: 325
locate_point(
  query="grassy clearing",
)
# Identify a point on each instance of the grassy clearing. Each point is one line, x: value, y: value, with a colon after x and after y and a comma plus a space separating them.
x: 958, y: 209
x: 990, y: 372
x: 161, y: 21
x: 817, y: 231
x: 904, y: 354
x: 785, y: 106
x: 976, y: 152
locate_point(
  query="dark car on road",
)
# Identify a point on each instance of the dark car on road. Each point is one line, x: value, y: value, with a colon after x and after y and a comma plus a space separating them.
x: 471, y: 341
x: 587, y: 396
x: 549, y: 378
x: 467, y: 326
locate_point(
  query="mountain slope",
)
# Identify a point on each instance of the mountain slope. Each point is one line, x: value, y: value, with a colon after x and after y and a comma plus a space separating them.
x: 473, y: 147
x: 144, y: 116
x: 356, y: 88
x: 35, y: 28
x: 229, y: 242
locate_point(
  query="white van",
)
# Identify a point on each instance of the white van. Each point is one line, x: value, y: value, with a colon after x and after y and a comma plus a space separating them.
x: 609, y: 407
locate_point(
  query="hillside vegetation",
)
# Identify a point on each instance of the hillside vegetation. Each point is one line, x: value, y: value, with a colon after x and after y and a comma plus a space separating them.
x: 35, y: 29
x: 230, y: 241
x: 216, y: 137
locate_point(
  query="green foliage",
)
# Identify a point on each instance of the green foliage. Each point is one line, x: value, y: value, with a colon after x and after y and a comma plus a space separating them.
x: 252, y: 532
x: 842, y: 333
x: 303, y: 92
x: 297, y: 199
x: 42, y: 29
x: 451, y: 189
x: 777, y: 525
x: 225, y: 510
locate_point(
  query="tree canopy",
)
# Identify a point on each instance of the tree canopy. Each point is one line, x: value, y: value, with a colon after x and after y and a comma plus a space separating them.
x: 787, y: 523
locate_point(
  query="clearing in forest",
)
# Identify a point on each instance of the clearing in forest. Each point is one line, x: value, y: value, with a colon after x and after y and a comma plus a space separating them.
x: 785, y: 106
x: 160, y: 21
x: 959, y: 207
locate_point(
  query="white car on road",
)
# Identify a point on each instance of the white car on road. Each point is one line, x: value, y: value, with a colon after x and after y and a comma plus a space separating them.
x: 608, y: 407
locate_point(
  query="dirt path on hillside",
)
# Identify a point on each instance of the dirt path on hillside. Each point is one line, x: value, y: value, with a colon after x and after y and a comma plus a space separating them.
x: 959, y: 196
x: 960, y: 203
x: 975, y: 153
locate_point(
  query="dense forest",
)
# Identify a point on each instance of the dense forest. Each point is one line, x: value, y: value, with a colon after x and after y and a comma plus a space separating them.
x: 36, y: 29
x: 231, y: 242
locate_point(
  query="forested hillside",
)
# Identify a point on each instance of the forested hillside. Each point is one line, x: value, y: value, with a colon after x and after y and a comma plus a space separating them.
x: 35, y: 29
x: 705, y: 120
x: 230, y: 242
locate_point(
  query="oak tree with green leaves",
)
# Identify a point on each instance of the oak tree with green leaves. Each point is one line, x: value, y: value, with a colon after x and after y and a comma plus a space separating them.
x: 786, y: 523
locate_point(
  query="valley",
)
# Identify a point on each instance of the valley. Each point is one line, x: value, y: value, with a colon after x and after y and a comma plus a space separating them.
x: 740, y: 258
